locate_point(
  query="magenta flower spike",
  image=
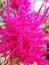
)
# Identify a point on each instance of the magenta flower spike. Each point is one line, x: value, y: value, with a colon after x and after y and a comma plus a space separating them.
x: 22, y: 36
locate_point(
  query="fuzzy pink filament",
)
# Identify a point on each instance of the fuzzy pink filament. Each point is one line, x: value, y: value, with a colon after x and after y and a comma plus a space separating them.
x: 22, y: 36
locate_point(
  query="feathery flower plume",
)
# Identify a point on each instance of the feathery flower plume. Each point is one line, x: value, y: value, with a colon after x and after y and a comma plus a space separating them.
x: 22, y: 36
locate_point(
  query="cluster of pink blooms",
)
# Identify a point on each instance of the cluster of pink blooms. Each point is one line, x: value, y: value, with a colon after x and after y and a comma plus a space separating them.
x: 23, y: 36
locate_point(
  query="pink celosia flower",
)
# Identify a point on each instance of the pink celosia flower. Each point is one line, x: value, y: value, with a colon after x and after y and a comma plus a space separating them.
x: 23, y: 36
